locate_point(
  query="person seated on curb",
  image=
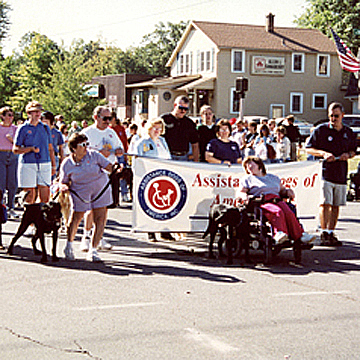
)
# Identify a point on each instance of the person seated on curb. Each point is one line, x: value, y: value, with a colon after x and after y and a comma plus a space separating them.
x: 282, y: 219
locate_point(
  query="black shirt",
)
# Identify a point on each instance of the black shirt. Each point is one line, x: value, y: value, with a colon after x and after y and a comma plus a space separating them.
x: 205, y: 135
x: 179, y: 133
x: 326, y: 138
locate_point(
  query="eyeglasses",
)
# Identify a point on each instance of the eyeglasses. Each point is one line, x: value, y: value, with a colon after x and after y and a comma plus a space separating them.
x: 334, y: 116
x: 105, y: 118
x: 10, y: 114
x: 183, y: 108
x: 84, y: 144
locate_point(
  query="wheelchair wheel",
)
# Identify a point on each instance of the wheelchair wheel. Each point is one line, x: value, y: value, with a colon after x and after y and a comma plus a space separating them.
x: 350, y: 196
x: 268, y: 249
x: 236, y: 246
x: 297, y: 251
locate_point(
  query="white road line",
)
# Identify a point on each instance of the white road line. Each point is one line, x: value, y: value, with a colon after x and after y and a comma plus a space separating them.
x: 117, y: 306
x: 209, y: 341
x: 307, y: 293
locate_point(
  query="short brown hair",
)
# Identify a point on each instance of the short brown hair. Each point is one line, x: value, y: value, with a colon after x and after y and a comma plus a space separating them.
x: 4, y: 110
x: 223, y: 122
x: 257, y: 161
x: 76, y: 139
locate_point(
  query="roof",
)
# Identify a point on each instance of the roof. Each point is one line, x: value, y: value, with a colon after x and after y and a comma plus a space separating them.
x: 255, y: 37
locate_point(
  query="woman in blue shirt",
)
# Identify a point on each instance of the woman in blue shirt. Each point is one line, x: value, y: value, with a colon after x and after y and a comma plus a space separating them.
x: 222, y: 150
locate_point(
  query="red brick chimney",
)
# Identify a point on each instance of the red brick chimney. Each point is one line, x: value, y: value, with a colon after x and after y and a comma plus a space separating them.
x: 270, y: 22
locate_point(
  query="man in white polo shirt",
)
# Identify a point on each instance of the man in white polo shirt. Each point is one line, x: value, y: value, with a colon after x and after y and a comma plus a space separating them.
x: 105, y: 140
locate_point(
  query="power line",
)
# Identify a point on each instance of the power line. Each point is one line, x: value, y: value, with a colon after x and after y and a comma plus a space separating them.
x: 133, y: 19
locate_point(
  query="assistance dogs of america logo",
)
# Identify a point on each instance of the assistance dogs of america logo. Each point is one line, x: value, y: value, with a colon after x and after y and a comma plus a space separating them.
x: 162, y: 194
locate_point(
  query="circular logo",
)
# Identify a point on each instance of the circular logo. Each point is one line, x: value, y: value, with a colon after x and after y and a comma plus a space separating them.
x: 162, y: 194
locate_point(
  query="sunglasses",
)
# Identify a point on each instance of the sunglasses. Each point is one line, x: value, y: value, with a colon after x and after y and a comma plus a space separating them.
x: 183, y: 108
x: 106, y: 118
x: 334, y: 116
x: 84, y: 144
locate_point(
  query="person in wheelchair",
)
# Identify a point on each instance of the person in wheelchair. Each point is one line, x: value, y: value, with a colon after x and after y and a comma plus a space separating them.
x: 258, y: 182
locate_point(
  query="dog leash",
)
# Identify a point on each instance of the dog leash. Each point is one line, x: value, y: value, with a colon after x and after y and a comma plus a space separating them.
x: 116, y: 167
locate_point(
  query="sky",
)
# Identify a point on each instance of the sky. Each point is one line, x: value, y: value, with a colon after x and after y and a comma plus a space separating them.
x: 123, y: 23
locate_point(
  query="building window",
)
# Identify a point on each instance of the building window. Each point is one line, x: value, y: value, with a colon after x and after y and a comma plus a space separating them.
x: 202, y: 61
x: 187, y: 64
x: 298, y: 63
x: 296, y: 103
x: 277, y: 111
x: 234, y: 101
x: 319, y: 101
x: 181, y: 60
x: 323, y: 65
x: 208, y: 61
x: 237, y: 61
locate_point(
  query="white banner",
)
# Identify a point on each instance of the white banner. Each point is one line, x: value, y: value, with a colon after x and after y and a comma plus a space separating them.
x: 176, y: 196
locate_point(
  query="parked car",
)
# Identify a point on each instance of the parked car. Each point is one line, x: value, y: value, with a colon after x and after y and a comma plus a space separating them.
x: 255, y: 118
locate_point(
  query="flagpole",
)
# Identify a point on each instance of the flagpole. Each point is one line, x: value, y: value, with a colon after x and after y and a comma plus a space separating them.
x: 357, y: 77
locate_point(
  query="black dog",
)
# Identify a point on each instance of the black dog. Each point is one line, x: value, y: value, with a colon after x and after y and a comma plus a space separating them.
x: 47, y: 219
x: 221, y: 216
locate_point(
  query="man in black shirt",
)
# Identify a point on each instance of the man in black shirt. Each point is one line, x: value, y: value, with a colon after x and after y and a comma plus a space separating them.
x: 335, y: 143
x: 180, y: 131
x: 293, y: 133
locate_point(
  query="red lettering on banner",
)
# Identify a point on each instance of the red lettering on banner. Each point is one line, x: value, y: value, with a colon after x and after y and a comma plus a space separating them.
x: 290, y: 182
x: 309, y: 181
x: 216, y: 181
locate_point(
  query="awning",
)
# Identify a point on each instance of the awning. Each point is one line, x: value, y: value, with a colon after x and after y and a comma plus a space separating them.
x: 200, y: 84
x: 169, y: 82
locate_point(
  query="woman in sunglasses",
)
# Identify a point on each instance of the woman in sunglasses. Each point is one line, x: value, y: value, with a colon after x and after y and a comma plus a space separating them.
x: 82, y: 172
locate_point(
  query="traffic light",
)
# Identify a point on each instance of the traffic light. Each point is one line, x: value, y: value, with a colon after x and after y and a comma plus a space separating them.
x: 242, y: 85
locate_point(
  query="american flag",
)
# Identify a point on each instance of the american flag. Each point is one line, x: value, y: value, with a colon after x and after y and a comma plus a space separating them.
x: 348, y: 61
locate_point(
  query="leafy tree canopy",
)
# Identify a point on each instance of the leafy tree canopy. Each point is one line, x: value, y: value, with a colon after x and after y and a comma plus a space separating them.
x: 4, y: 19
x: 342, y: 15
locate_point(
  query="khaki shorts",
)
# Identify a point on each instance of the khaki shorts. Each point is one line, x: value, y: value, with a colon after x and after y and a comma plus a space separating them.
x: 32, y: 175
x: 333, y: 194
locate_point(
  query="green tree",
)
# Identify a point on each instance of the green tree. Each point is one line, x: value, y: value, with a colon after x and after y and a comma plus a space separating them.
x: 157, y: 47
x: 34, y: 71
x: 7, y: 85
x: 342, y: 15
x: 4, y: 19
x: 65, y: 92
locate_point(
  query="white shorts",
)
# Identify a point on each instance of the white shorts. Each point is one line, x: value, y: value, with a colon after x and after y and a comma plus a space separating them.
x: 32, y: 175
x: 333, y: 194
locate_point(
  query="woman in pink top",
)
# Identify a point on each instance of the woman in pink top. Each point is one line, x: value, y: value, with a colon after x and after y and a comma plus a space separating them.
x: 8, y: 160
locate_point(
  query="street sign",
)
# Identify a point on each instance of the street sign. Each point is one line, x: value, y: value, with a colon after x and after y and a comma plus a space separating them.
x: 356, y: 32
x: 112, y: 101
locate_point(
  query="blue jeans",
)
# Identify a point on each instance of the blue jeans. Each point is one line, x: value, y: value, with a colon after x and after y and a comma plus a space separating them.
x: 8, y: 175
x: 123, y: 184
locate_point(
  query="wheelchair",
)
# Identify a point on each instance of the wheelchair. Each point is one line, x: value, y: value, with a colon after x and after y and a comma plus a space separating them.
x: 353, y: 192
x: 259, y: 235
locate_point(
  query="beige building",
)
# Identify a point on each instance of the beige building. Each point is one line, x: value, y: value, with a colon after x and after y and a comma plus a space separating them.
x: 290, y: 70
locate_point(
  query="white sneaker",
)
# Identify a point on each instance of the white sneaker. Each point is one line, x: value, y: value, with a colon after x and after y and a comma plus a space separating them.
x: 280, y: 237
x: 308, y: 238
x: 85, y: 243
x: 103, y: 245
x: 13, y: 214
x: 69, y: 253
x: 125, y: 198
x: 93, y: 256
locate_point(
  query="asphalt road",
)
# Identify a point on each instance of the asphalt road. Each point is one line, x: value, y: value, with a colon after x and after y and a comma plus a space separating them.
x: 166, y: 300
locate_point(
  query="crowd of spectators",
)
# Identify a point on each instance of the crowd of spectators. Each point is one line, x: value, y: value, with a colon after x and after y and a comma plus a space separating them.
x: 44, y: 147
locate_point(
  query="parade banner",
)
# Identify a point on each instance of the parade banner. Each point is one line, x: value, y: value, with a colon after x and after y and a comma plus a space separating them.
x: 177, y: 196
